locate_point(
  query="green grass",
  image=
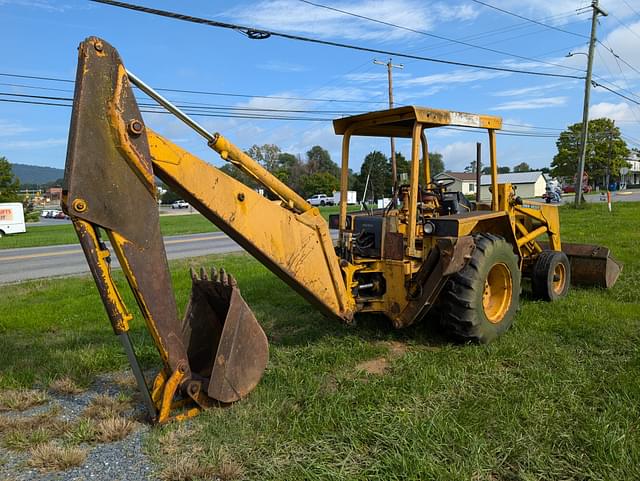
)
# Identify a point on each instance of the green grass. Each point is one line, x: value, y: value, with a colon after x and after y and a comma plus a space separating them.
x: 556, y: 398
x: 64, y: 234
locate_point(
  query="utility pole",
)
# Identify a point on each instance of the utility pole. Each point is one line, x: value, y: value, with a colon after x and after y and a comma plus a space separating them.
x: 478, y: 169
x: 394, y: 167
x: 587, y: 91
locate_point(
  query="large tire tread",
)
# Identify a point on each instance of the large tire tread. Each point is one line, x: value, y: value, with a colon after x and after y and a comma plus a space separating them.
x: 461, y: 300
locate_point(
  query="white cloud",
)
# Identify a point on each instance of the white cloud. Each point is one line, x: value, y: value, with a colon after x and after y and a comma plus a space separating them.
x: 560, y: 12
x: 282, y: 67
x: 33, y: 144
x: 455, y: 77
x: 617, y: 112
x: 535, y: 90
x: 41, y: 4
x: 8, y: 128
x: 458, y: 155
x: 534, y: 103
x: 285, y: 15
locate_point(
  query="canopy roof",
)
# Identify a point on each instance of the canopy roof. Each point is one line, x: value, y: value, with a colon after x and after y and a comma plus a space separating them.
x: 398, y: 122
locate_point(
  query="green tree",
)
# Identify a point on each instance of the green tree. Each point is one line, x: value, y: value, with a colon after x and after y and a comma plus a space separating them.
x: 606, y: 150
x: 319, y: 183
x: 319, y: 160
x: 436, y: 163
x: 522, y: 167
x: 504, y: 170
x: 375, y: 166
x: 268, y: 155
x: 9, y: 183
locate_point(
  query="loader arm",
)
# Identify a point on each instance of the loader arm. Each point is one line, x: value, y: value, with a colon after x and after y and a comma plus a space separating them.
x: 218, y: 351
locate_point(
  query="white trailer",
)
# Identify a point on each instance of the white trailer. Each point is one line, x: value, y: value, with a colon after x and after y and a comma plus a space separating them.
x: 11, y: 218
x: 352, y: 197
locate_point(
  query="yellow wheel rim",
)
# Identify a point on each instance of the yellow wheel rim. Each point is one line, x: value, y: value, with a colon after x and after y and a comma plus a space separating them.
x: 498, y: 291
x: 559, y: 278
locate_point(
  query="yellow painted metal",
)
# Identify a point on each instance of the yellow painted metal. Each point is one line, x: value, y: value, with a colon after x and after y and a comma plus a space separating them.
x: 498, y: 293
x: 102, y: 273
x: 233, y: 154
x: 295, y: 246
x: 426, y: 163
x: 413, y: 192
x: 494, y: 169
x: 168, y: 394
x: 559, y: 278
x: 399, y: 121
x: 344, y: 181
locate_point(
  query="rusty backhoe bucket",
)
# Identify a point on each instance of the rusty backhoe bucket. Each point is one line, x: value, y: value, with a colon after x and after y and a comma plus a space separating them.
x: 226, y: 347
x: 592, y: 265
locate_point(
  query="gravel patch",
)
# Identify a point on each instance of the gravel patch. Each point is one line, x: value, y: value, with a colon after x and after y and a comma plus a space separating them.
x: 119, y: 460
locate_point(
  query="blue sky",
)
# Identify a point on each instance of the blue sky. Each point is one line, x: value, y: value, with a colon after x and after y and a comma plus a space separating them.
x: 40, y: 39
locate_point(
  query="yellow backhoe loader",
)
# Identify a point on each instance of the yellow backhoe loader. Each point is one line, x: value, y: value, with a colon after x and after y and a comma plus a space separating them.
x: 431, y: 247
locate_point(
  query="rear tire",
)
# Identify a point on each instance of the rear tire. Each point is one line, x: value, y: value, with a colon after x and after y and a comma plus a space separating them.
x: 551, y: 276
x: 480, y: 302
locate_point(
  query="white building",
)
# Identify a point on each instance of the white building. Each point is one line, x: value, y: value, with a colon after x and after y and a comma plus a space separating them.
x: 633, y: 177
x: 465, y: 182
x: 528, y: 184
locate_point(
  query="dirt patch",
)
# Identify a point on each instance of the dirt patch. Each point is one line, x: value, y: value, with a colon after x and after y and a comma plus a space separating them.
x: 397, y: 349
x: 380, y: 365
x: 376, y: 366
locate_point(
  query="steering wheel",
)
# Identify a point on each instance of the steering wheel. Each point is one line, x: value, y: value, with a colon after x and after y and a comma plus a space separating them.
x: 440, y: 185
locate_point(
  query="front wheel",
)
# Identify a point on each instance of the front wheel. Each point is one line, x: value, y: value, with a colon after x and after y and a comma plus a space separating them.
x: 480, y: 302
x: 551, y: 276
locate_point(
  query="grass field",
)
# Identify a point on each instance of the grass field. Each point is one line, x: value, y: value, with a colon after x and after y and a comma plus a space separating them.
x: 170, y: 224
x: 556, y: 398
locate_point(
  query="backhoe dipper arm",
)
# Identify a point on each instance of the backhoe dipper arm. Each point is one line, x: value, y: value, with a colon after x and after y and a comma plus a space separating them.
x: 112, y: 161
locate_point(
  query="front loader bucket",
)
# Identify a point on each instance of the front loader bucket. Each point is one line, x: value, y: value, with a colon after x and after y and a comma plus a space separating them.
x: 227, y: 348
x: 592, y: 265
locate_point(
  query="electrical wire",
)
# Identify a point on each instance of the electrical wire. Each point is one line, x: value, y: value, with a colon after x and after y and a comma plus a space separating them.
x: 552, y: 27
x: 203, y: 92
x: 259, y: 34
x: 439, y: 37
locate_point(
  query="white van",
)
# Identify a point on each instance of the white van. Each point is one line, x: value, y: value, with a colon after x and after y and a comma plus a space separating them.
x: 11, y: 218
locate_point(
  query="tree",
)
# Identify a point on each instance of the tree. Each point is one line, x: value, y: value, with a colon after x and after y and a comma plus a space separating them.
x: 436, y: 164
x: 319, y: 160
x: 319, y: 183
x: 268, y: 155
x: 9, y: 183
x: 375, y: 166
x: 606, y: 150
x: 501, y: 170
x: 522, y: 167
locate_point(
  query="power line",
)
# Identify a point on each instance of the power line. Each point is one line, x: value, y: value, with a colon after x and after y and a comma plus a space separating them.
x: 631, y: 8
x: 618, y: 57
x: 203, y: 92
x: 596, y: 84
x: 439, y: 37
x: 552, y: 27
x: 255, y: 33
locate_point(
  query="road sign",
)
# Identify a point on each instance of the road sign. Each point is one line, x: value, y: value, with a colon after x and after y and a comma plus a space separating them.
x: 624, y: 170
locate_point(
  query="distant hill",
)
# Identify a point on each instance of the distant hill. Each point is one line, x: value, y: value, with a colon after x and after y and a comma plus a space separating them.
x: 34, y: 174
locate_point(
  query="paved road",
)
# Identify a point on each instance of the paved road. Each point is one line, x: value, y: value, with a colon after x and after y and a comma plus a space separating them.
x: 50, y: 261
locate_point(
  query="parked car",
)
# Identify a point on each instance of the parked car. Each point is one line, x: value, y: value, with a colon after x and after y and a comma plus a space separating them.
x: 567, y: 189
x: 320, y: 199
x: 180, y: 204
